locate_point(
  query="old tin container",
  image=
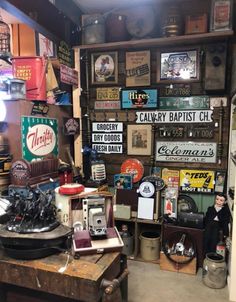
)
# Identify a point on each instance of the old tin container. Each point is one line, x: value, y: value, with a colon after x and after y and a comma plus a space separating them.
x: 93, y: 29
x: 116, y: 28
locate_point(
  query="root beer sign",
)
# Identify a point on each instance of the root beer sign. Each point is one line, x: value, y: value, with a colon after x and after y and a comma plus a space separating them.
x: 107, y: 137
x: 197, y: 181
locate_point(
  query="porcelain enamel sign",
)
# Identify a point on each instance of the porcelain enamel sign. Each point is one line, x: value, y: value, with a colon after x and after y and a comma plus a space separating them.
x: 39, y: 137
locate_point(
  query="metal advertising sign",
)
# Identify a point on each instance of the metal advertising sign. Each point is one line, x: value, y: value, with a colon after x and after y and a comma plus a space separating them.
x: 200, y: 132
x: 107, y: 138
x: 106, y: 105
x: 108, y: 94
x: 190, y: 116
x: 172, y: 151
x: 197, y: 181
x: 139, y: 98
x: 39, y: 137
x: 107, y: 148
x: 69, y: 75
x: 193, y: 102
x: 107, y: 127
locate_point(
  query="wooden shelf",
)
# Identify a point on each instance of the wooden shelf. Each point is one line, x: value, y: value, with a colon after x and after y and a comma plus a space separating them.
x: 156, y: 42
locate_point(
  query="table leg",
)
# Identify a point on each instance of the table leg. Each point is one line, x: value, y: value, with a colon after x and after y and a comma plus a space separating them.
x: 124, y: 282
x: 3, y: 296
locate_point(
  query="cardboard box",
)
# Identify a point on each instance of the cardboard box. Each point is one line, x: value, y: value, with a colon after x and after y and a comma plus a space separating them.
x: 196, y: 24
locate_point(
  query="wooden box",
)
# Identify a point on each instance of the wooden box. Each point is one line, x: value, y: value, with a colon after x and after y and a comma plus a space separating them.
x: 196, y: 24
x: 167, y: 265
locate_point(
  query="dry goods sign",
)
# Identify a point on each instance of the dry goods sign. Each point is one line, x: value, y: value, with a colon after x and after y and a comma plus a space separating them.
x: 107, y: 137
x: 188, y: 152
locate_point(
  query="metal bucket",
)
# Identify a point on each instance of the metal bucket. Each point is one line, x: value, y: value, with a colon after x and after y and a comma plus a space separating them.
x: 94, y: 29
x: 150, y: 246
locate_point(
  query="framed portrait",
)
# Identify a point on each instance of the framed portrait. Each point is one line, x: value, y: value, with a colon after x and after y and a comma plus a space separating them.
x: 123, y: 181
x: 104, y: 68
x: 178, y: 66
x: 221, y: 15
x: 220, y: 179
x: 139, y: 139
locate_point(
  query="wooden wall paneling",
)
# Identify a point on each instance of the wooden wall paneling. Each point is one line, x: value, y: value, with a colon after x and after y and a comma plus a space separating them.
x: 23, y: 40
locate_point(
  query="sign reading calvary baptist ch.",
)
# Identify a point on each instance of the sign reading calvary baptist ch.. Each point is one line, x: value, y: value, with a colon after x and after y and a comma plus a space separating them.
x: 39, y: 137
x: 186, y: 152
x: 160, y: 116
x: 105, y: 137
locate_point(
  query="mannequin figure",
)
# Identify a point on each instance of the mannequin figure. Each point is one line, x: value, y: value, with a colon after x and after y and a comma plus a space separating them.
x: 217, y: 218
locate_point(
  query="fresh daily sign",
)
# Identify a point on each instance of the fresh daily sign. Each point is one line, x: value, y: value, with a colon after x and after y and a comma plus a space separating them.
x: 187, y: 116
x: 108, y: 148
x: 187, y: 152
x: 39, y: 137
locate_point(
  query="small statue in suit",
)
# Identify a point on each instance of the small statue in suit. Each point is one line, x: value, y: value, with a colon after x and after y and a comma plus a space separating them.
x: 217, y: 219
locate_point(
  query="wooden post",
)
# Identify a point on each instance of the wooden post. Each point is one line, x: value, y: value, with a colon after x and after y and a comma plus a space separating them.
x: 78, y: 157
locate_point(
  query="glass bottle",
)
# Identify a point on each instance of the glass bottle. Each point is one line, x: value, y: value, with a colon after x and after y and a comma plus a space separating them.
x: 221, y: 246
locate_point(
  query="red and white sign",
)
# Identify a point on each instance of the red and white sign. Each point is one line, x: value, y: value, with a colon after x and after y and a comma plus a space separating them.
x: 41, y: 140
x: 69, y: 75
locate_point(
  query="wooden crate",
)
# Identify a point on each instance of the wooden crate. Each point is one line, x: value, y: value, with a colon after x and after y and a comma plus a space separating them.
x: 166, y: 264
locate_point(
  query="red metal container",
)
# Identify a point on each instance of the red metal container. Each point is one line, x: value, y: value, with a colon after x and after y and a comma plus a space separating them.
x: 33, y: 71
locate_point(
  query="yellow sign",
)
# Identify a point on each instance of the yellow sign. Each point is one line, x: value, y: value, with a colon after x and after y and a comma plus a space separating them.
x: 108, y: 94
x: 197, y: 181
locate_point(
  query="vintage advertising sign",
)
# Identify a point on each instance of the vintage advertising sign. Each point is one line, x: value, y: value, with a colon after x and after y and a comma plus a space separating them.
x: 139, y: 98
x: 108, y: 148
x: 176, y: 90
x: 64, y: 54
x: 107, y: 127
x: 68, y: 75
x: 190, y: 116
x: 194, y: 152
x: 108, y: 94
x: 170, y: 177
x: 138, y: 68
x: 39, y: 108
x: 197, y: 181
x: 107, y: 138
x: 193, y: 102
x: 39, y: 137
x: 106, y: 105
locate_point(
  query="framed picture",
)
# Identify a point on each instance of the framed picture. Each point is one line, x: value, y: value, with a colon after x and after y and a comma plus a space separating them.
x: 178, y: 66
x: 104, y: 68
x: 123, y: 181
x: 221, y: 15
x: 44, y: 46
x: 220, y: 181
x: 139, y: 139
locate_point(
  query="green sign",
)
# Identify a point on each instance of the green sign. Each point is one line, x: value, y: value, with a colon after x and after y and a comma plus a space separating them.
x: 192, y: 102
x: 39, y: 137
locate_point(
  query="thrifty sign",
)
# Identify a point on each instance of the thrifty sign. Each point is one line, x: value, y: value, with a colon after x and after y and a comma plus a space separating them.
x: 194, y: 116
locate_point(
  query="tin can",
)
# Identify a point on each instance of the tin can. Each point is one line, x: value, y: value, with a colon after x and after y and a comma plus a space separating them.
x: 33, y: 71
x: 116, y: 28
x: 94, y: 29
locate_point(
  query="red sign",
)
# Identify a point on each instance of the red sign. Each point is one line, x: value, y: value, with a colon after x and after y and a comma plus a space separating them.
x: 68, y: 75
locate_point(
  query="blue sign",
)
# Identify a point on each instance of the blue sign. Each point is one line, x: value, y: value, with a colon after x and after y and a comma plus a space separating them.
x: 139, y: 98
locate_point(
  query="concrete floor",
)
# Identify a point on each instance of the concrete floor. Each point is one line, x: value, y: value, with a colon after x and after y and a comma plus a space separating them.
x: 147, y: 283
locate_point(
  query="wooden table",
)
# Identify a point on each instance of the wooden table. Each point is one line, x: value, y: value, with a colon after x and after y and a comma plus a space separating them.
x: 80, y: 281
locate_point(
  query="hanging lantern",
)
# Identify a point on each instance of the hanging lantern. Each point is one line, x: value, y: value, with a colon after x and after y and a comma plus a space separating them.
x: 4, y: 37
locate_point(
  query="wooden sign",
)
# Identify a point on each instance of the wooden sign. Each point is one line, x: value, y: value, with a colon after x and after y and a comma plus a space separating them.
x: 139, y: 98
x: 193, y: 102
x: 188, y: 152
x: 106, y: 105
x: 108, y: 94
x: 108, y: 148
x: 194, y: 116
x: 197, y: 181
x: 138, y: 68
x: 176, y: 90
x: 107, y: 138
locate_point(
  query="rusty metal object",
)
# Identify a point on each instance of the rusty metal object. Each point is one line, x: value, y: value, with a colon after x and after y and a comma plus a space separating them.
x: 112, y: 288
